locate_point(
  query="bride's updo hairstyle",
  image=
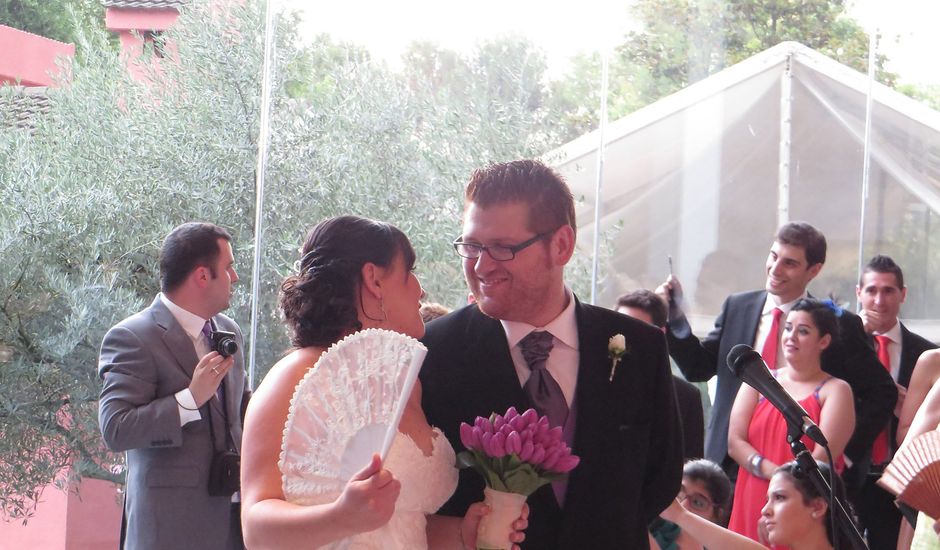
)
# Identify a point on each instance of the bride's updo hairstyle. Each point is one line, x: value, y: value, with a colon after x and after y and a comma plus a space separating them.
x: 321, y: 302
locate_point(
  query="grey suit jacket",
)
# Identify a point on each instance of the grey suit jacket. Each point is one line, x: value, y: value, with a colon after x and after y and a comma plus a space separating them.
x: 144, y: 360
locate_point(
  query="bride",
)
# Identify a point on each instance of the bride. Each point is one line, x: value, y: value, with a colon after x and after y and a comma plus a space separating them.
x: 354, y: 274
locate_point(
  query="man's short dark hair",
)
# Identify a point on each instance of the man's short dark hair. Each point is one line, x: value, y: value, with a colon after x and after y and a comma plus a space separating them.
x: 188, y: 246
x: 883, y: 264
x: 648, y: 301
x: 550, y: 202
x: 807, y: 237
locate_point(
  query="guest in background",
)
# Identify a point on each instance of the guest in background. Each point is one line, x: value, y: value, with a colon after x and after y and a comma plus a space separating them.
x: 171, y: 401
x: 795, y: 516
x: 758, y: 434
x: 796, y: 257
x: 706, y: 492
x: 880, y: 293
x: 647, y: 306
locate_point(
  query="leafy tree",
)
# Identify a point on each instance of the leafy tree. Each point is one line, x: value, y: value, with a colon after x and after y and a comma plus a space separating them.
x: 680, y: 42
x: 88, y: 193
x: 61, y: 20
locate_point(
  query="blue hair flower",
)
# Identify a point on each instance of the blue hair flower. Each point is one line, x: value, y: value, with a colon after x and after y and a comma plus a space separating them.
x: 833, y: 306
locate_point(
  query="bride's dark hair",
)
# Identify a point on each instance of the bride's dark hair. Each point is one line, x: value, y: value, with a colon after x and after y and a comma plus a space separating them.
x: 319, y: 303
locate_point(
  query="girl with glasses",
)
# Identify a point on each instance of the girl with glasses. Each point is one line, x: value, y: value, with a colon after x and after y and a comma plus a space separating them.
x: 705, y: 492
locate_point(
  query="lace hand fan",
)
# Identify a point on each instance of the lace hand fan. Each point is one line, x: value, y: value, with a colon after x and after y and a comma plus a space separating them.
x: 914, y: 474
x: 346, y: 408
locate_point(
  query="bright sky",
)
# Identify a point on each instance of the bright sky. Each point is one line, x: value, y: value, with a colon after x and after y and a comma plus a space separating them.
x: 563, y: 29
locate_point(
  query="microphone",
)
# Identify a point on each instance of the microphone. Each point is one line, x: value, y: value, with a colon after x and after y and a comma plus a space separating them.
x: 749, y: 367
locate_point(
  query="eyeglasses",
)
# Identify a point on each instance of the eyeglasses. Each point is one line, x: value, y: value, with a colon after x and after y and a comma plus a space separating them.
x: 697, y: 501
x: 500, y: 253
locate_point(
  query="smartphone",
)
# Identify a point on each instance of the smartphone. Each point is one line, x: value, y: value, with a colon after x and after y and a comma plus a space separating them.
x: 672, y: 292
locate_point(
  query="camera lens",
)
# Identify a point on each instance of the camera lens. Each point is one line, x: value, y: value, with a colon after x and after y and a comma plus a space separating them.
x: 227, y: 346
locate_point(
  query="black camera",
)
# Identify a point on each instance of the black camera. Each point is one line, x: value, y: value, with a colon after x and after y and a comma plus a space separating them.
x: 223, y: 342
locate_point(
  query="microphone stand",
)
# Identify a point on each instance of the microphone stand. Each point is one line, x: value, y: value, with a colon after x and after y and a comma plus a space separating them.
x: 807, y: 464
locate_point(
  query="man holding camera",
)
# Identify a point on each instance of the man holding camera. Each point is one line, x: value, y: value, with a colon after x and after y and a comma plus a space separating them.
x: 174, y: 389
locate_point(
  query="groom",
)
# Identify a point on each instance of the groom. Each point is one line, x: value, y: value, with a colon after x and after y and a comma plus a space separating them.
x: 528, y: 341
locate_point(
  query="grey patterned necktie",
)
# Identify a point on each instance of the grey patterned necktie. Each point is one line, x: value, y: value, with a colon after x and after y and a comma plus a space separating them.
x: 544, y: 392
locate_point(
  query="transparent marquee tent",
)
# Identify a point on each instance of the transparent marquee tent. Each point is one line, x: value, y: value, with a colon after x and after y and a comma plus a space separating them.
x: 707, y: 174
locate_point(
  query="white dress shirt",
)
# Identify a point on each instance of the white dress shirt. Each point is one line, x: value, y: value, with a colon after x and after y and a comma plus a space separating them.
x: 767, y: 318
x: 192, y: 325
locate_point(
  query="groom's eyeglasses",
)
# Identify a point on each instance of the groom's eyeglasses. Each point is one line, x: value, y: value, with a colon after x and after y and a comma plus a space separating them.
x: 500, y: 253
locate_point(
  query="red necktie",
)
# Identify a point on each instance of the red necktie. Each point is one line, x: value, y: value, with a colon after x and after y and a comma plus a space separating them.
x: 769, y: 353
x: 880, y: 449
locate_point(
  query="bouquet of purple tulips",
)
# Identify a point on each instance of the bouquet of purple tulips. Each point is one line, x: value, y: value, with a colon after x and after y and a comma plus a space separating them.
x: 515, y: 453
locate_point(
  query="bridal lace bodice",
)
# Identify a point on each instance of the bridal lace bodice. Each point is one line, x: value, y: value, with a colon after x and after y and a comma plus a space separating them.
x: 426, y: 483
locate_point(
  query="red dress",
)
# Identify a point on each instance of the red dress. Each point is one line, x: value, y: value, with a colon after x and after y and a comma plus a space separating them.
x: 767, y: 433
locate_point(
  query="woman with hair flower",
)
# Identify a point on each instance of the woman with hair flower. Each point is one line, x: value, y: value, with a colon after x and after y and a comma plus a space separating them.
x: 757, y: 437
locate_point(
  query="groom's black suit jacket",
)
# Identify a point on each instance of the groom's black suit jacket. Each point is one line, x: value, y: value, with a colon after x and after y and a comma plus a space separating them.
x: 850, y: 358
x: 628, y: 434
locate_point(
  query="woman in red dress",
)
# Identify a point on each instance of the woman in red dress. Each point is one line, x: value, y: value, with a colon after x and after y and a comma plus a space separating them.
x: 757, y: 437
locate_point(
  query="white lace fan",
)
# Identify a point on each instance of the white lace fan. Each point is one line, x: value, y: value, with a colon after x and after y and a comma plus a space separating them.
x: 346, y: 408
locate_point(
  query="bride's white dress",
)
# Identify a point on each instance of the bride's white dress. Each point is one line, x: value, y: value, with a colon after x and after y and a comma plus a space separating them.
x: 426, y: 483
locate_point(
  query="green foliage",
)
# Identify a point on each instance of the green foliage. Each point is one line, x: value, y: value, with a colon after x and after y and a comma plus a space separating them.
x: 87, y: 195
x: 680, y: 42
x: 508, y: 473
x: 62, y: 20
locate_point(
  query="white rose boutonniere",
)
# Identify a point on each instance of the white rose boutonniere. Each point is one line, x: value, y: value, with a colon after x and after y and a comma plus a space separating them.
x: 616, y: 348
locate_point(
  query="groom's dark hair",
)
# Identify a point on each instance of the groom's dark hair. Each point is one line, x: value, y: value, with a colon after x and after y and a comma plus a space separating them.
x: 550, y: 202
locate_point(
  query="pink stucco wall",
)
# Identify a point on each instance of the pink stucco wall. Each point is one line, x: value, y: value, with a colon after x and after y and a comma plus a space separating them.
x: 88, y: 520
x: 28, y: 58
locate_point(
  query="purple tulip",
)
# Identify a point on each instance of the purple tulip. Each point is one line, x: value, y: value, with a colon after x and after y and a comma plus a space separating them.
x: 498, y: 422
x: 566, y: 463
x: 537, y: 455
x: 551, y: 458
x: 476, y: 438
x: 511, y: 413
x: 530, y: 416
x: 466, y: 435
x: 556, y: 434
x: 526, y: 453
x: 498, y: 445
x: 487, y: 443
x: 513, y: 443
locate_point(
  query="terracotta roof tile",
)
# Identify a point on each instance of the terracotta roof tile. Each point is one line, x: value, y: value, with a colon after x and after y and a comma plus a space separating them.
x: 20, y: 105
x: 145, y: 4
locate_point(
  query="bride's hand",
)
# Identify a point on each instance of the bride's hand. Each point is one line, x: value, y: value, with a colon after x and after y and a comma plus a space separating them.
x: 471, y: 520
x: 370, y: 496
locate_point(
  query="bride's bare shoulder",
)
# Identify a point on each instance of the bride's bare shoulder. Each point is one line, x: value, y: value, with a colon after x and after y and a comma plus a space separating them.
x: 289, y: 371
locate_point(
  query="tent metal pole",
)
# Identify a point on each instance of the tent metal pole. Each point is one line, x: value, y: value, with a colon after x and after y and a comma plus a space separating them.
x: 786, y: 133
x: 267, y: 69
x: 600, y: 177
x: 866, y: 155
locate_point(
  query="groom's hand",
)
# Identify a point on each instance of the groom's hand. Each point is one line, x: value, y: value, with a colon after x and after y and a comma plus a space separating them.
x: 370, y: 496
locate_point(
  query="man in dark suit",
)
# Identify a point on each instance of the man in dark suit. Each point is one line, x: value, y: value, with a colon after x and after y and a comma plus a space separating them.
x: 647, y: 306
x: 527, y: 340
x: 755, y: 318
x: 172, y: 402
x: 880, y: 293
